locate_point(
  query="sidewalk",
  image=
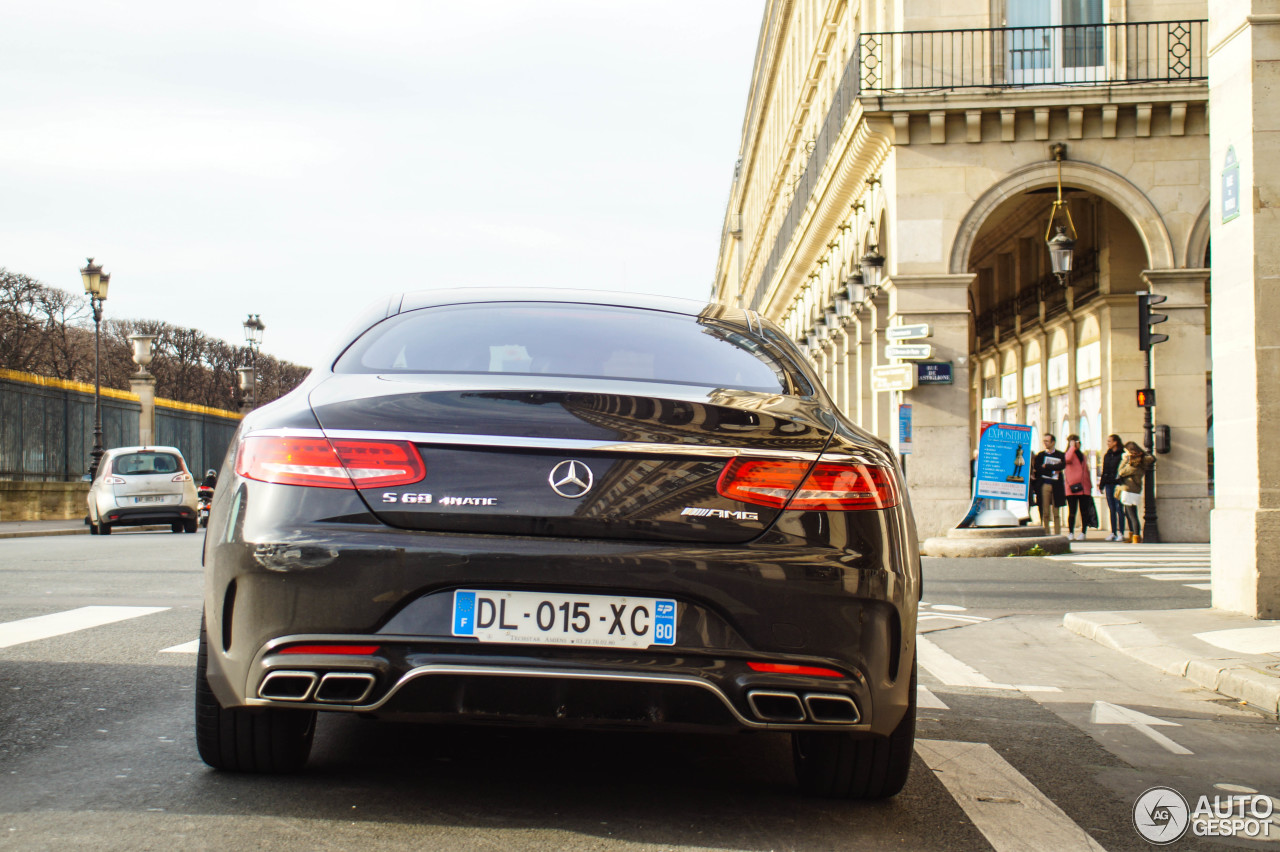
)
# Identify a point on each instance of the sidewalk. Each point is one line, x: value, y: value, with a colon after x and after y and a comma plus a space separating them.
x: 24, y: 529
x: 35, y: 529
x: 1226, y: 652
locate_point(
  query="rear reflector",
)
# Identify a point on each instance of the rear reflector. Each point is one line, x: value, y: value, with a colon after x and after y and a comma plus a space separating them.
x: 323, y: 463
x: 786, y: 668
x: 346, y: 650
x: 830, y: 486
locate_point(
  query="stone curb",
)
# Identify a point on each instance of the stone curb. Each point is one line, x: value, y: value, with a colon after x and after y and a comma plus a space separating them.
x: 954, y: 548
x: 1229, y: 676
x: 85, y: 531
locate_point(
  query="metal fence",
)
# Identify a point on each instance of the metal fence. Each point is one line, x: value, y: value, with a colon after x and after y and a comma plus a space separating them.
x: 203, y: 438
x: 1012, y: 57
x: 46, y: 431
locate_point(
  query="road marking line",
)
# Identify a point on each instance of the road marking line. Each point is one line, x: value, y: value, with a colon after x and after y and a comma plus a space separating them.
x: 925, y: 699
x: 58, y: 623
x: 1105, y: 713
x: 191, y: 647
x: 953, y: 672
x: 1201, y: 576
x: 1204, y: 587
x: 1189, y: 569
x: 1009, y: 810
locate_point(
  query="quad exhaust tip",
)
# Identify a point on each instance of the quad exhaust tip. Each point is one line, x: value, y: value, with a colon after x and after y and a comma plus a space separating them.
x: 776, y: 706
x: 791, y: 708
x: 831, y: 709
x: 327, y: 688
x: 345, y: 687
x: 288, y: 686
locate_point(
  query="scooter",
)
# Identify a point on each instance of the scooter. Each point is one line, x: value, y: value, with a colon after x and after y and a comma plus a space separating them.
x: 204, y: 497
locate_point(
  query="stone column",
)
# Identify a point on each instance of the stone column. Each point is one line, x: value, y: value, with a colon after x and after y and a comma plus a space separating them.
x: 863, y: 399
x: 938, y: 472
x: 1244, y: 116
x: 840, y: 370
x: 145, y: 387
x: 1182, y: 394
x: 878, y: 422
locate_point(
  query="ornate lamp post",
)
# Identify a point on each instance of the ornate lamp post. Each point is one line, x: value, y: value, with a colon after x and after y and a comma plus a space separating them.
x: 96, y: 283
x: 253, y: 329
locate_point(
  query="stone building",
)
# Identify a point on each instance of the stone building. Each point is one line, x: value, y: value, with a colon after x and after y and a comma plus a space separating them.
x: 938, y: 136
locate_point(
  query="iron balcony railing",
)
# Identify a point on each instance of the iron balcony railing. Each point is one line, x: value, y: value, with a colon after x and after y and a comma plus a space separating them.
x: 1019, y: 57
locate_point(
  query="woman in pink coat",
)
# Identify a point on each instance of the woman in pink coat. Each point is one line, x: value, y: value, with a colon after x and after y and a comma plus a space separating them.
x: 1079, y: 487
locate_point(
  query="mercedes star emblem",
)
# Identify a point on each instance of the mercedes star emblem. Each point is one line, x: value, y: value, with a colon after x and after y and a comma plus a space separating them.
x: 571, y: 479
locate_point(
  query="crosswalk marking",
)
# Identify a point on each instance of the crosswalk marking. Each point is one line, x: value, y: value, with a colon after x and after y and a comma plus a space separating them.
x: 1185, y: 563
x: 926, y: 700
x: 191, y: 647
x: 58, y: 623
x: 953, y: 672
x: 1009, y: 810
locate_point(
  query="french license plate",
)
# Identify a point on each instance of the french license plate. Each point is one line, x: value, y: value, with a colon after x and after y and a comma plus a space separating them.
x: 158, y: 498
x: 535, y: 618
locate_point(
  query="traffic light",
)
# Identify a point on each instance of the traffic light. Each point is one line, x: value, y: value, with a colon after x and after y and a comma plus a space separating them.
x: 1146, y: 397
x: 1146, y: 319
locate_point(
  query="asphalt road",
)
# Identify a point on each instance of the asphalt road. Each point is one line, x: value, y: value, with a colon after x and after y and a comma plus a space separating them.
x: 1014, y: 750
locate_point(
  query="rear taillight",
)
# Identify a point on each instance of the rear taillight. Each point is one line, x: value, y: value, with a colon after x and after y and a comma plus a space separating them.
x: 182, y: 477
x: 113, y: 480
x: 323, y: 463
x: 787, y: 668
x: 830, y: 486
x: 341, y: 650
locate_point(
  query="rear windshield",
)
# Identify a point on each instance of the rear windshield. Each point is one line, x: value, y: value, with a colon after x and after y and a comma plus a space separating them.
x: 560, y: 339
x: 142, y: 464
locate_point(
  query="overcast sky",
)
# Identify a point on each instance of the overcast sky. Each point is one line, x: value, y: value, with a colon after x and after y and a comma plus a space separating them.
x: 300, y: 159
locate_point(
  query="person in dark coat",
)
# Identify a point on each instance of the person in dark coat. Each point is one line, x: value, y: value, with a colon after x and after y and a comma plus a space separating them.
x: 1129, y: 480
x: 1046, y: 477
x: 1107, y: 485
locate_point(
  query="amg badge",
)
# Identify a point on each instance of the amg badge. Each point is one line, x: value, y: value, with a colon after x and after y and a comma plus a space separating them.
x: 720, y: 513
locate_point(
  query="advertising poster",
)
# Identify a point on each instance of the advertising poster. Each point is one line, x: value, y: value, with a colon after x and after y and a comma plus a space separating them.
x: 1004, y: 462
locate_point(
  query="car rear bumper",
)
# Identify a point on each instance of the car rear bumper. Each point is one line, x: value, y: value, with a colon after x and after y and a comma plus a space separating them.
x: 368, y: 584
x: 142, y: 515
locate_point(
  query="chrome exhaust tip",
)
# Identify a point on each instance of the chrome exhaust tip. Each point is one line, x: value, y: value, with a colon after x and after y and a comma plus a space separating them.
x: 832, y: 709
x: 287, y: 686
x: 776, y: 706
x: 345, y: 687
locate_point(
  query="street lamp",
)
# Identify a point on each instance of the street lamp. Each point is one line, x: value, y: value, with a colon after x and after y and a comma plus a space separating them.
x: 96, y: 283
x: 253, y: 329
x: 872, y: 268
x: 1061, y: 244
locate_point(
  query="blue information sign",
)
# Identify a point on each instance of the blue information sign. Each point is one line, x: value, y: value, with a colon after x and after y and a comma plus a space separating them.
x: 904, y: 429
x: 1004, y: 462
x: 933, y: 373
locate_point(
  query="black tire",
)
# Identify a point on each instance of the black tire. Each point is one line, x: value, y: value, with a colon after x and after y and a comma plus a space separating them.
x: 104, y: 529
x: 189, y: 526
x: 93, y: 528
x: 267, y: 740
x: 175, y: 527
x: 204, y: 520
x: 840, y: 765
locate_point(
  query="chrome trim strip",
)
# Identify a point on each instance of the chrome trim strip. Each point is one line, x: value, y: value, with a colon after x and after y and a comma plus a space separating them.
x: 503, y: 671
x: 581, y: 445
x: 286, y: 433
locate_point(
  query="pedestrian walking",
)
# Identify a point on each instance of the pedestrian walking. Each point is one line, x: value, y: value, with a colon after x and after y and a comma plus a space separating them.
x: 1079, y: 490
x: 1107, y: 485
x: 1129, y: 478
x: 1046, y: 475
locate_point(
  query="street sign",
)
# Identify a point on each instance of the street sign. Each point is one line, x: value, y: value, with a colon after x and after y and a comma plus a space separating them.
x: 913, y: 352
x: 907, y: 332
x: 893, y: 377
x: 904, y: 430
x: 933, y: 372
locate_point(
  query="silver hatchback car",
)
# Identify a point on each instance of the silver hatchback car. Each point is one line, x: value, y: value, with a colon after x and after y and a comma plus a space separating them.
x: 142, y: 485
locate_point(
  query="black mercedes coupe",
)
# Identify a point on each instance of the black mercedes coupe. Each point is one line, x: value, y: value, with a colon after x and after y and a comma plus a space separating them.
x: 562, y: 508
